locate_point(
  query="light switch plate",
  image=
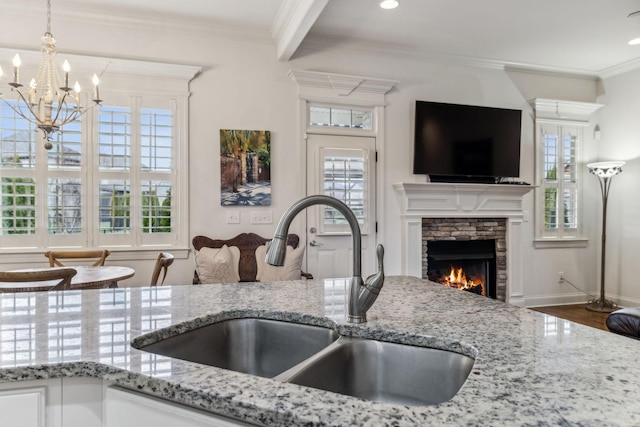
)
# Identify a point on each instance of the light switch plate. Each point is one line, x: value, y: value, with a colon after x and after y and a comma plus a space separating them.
x: 233, y: 217
x: 262, y: 217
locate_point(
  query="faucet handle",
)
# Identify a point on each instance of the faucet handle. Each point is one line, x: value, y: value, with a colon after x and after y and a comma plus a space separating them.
x: 380, y: 255
x: 376, y: 280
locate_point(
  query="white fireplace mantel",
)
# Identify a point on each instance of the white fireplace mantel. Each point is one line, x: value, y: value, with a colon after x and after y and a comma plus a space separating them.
x: 449, y: 200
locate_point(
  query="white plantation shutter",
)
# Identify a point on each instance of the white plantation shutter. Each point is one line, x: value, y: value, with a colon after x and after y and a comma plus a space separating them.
x: 108, y: 180
x: 560, y: 180
x: 345, y: 178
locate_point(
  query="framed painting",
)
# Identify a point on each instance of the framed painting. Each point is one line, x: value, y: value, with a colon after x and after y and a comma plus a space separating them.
x: 245, y: 167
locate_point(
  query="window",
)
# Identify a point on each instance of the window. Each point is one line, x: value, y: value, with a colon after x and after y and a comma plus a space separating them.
x: 340, y: 117
x: 111, y: 178
x: 559, y: 170
x: 560, y: 181
x: 345, y: 178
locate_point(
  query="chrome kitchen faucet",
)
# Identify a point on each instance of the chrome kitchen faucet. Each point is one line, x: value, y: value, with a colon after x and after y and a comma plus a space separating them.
x: 361, y: 295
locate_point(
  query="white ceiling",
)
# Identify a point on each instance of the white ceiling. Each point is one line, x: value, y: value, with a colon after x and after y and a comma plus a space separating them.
x: 577, y: 36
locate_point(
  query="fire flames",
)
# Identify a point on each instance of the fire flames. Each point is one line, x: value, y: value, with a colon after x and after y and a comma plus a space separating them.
x: 457, y: 278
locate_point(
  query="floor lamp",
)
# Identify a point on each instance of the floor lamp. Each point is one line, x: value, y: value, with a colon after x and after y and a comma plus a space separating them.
x: 605, y: 171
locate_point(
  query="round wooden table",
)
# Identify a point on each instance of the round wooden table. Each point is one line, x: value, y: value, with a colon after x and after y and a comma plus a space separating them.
x: 88, y: 277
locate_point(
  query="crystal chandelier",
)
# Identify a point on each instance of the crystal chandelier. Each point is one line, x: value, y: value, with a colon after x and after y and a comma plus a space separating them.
x: 49, y: 102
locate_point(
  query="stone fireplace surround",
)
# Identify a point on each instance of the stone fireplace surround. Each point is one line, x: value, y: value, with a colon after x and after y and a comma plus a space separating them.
x: 455, y: 200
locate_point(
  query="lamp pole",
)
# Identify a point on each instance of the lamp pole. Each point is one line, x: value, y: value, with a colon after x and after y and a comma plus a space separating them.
x: 604, y: 171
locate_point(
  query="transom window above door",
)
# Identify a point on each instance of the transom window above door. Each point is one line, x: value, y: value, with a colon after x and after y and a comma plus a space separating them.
x: 341, y: 117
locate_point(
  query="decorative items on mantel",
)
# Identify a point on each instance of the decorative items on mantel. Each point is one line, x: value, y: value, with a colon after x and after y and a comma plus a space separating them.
x: 449, y: 200
x: 48, y: 102
x: 605, y: 171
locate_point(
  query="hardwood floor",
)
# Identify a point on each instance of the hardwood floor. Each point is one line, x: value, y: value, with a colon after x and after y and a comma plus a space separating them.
x: 576, y: 313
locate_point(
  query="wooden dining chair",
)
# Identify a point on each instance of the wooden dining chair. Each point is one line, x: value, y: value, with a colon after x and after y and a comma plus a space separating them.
x: 55, y: 256
x: 60, y: 277
x: 164, y: 260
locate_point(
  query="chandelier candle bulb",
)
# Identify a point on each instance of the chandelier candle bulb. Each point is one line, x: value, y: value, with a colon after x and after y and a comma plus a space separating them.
x: 16, y: 70
x: 96, y: 93
x: 66, y: 67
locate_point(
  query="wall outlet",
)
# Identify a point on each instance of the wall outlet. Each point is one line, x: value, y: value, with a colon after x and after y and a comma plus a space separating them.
x: 262, y: 217
x: 233, y: 217
x: 560, y: 276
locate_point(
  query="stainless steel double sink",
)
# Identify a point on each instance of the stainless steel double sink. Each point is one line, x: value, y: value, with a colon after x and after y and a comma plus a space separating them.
x: 319, y: 357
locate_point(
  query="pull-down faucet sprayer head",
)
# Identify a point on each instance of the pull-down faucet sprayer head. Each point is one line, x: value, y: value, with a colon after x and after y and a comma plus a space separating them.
x: 276, y: 250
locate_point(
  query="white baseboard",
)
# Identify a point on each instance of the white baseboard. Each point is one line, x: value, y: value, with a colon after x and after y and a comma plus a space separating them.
x: 564, y: 299
x: 576, y: 298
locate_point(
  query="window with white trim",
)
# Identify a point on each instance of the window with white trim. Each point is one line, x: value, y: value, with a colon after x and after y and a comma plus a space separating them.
x: 341, y: 117
x: 560, y: 183
x: 559, y: 169
x: 111, y: 178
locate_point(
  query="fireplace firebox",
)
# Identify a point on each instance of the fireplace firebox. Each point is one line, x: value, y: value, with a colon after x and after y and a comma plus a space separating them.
x: 469, y: 265
x: 466, y: 235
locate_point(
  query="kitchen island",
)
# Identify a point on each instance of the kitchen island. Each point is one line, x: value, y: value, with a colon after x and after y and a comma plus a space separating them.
x: 530, y: 368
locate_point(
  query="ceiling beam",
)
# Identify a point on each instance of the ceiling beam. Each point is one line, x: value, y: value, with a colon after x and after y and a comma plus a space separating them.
x: 292, y: 23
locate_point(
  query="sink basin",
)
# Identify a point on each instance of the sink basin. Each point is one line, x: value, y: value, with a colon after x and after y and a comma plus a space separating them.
x: 385, y: 372
x: 318, y: 357
x: 259, y: 347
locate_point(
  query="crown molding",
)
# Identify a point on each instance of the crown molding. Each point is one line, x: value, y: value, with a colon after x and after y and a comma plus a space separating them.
x: 562, y: 110
x: 620, y: 69
x: 85, y: 63
x: 152, y: 22
x: 316, y: 43
x: 342, y: 84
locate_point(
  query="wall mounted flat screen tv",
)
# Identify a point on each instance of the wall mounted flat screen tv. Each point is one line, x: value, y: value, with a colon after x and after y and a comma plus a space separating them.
x: 466, y: 143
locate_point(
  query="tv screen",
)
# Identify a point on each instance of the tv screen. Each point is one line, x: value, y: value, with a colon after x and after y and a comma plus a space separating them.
x: 466, y: 143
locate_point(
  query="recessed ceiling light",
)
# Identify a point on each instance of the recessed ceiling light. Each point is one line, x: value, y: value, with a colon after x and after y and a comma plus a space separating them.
x: 389, y: 4
x: 636, y: 40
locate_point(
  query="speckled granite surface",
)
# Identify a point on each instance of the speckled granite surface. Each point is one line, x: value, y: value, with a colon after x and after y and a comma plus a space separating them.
x: 530, y: 369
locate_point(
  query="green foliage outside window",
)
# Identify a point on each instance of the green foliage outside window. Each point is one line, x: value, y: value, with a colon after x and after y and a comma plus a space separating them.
x: 156, y: 217
x: 550, y: 201
x: 120, y: 212
x: 18, y: 206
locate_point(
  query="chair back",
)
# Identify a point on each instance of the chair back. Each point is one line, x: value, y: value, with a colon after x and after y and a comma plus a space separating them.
x: 247, y: 243
x: 60, y: 278
x: 164, y: 260
x: 56, y: 256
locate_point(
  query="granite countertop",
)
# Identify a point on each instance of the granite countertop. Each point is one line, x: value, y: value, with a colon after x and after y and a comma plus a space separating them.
x: 530, y: 368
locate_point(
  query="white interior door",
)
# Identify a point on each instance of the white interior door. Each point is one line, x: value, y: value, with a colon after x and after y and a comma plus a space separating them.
x: 342, y: 167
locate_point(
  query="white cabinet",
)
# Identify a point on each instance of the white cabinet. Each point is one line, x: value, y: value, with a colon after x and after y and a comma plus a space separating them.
x: 89, y: 402
x: 59, y: 402
x: 24, y: 407
x: 125, y: 408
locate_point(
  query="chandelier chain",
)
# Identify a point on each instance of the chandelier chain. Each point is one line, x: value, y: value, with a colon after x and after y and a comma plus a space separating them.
x: 48, y: 16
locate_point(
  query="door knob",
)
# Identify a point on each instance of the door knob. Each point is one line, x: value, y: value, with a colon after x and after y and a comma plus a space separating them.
x: 314, y: 243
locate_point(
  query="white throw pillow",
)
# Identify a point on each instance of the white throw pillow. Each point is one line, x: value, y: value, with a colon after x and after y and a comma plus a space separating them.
x: 291, y: 270
x: 218, y: 265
